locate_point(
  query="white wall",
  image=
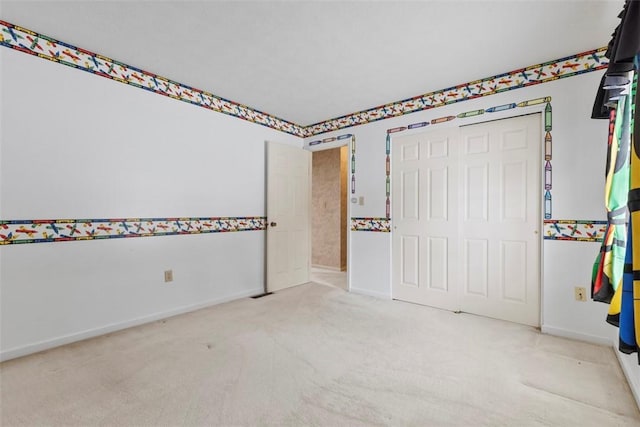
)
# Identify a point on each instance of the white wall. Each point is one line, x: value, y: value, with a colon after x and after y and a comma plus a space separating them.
x: 75, y: 145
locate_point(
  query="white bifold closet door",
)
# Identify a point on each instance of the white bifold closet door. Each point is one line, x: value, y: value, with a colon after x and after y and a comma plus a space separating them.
x: 466, y: 219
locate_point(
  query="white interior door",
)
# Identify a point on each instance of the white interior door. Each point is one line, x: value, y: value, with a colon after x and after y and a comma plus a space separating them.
x: 500, y: 224
x: 288, y: 216
x: 466, y: 219
x: 425, y: 218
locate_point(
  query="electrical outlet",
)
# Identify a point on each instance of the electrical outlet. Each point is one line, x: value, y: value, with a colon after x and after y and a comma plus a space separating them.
x: 580, y: 293
x: 168, y: 275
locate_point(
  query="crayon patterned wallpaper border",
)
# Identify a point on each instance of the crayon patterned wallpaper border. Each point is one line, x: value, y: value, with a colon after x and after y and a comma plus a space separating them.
x: 577, y: 230
x: 569, y: 66
x: 42, y: 46
x: 39, y: 45
x: 353, y: 153
x: 548, y: 144
x: 27, y: 41
x: 64, y: 230
x: 371, y: 224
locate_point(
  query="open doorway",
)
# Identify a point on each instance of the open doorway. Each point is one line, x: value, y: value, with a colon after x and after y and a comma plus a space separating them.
x: 329, y: 217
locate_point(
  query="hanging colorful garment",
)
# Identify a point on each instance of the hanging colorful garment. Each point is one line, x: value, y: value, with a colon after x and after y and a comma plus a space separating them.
x: 609, y: 265
x: 624, y: 58
x: 630, y: 307
x: 626, y: 319
x: 601, y: 288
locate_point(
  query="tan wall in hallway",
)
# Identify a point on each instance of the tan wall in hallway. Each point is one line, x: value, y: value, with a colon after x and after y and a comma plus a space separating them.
x: 344, y: 159
x: 329, y: 239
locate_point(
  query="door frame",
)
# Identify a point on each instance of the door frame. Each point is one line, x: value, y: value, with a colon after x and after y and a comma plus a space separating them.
x: 349, y: 143
x: 474, y: 121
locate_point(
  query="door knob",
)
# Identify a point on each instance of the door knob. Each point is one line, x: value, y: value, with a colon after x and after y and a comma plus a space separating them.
x: 273, y: 224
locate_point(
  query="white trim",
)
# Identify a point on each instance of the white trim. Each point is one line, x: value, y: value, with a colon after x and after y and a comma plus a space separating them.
x: 350, y: 143
x: 370, y: 293
x: 338, y: 143
x: 565, y: 333
x: 90, y: 333
x: 633, y: 380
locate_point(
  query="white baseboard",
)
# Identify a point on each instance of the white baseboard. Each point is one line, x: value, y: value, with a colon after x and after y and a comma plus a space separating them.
x: 595, y: 339
x: 369, y: 293
x: 90, y: 333
x: 632, y: 378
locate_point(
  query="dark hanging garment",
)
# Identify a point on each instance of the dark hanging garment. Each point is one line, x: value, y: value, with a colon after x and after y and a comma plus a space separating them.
x: 627, y: 44
x: 623, y: 47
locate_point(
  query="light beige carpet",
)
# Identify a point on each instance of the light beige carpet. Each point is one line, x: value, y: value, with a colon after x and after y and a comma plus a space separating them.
x: 325, y: 276
x: 315, y: 355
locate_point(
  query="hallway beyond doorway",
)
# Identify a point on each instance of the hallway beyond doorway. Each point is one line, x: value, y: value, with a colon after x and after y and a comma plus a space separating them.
x: 329, y: 277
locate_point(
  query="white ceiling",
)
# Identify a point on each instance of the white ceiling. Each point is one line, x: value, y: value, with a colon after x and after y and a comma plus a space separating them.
x: 311, y: 61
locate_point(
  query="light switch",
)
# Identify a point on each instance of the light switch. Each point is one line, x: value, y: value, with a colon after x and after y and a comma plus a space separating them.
x: 361, y: 200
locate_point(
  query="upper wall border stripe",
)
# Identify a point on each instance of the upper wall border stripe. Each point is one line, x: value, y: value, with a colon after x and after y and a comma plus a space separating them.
x: 45, y: 47
x: 532, y: 75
